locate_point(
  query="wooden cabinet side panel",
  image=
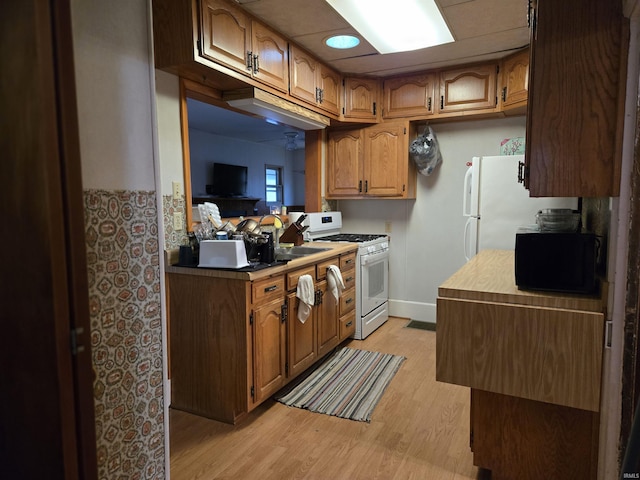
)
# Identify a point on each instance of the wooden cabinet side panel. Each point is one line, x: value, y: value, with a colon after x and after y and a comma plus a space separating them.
x: 272, y: 52
x: 344, y: 163
x: 386, y: 160
x: 208, y: 346
x: 572, y: 113
x: 226, y: 33
x: 540, y: 354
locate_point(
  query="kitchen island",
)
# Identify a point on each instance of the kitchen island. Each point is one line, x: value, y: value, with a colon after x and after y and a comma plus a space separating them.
x: 234, y: 336
x: 533, y: 361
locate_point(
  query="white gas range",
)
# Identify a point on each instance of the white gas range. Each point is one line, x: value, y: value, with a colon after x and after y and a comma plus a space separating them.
x: 372, y: 268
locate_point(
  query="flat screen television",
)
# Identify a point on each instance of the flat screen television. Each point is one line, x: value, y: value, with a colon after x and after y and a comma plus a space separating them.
x: 229, y: 180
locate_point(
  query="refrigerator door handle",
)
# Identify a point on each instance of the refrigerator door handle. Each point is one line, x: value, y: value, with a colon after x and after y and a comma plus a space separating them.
x: 466, y: 193
x: 467, y: 238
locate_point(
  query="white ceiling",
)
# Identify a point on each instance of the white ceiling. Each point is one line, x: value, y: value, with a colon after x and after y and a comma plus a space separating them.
x: 483, y: 30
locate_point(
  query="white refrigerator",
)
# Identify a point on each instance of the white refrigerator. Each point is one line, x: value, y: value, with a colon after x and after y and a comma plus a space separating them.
x: 495, y: 204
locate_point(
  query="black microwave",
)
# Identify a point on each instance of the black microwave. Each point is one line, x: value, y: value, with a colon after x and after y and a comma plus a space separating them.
x: 556, y: 262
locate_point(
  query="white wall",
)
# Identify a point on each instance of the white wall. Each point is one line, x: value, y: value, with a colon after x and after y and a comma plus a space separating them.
x: 426, y: 233
x: 114, y: 97
x: 169, y: 137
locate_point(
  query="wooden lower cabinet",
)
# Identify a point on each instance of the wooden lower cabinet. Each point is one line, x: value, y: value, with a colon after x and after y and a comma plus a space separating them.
x: 269, y: 349
x: 235, y: 342
x: 523, y: 439
x: 533, y: 361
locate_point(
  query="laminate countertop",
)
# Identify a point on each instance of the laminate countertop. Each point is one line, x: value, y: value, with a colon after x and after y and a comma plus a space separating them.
x: 490, y: 277
x: 333, y: 249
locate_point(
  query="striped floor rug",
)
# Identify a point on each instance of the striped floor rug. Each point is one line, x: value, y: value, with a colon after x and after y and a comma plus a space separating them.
x: 348, y: 384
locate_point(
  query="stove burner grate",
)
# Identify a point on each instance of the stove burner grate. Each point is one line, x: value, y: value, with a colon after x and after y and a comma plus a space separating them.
x: 351, y: 237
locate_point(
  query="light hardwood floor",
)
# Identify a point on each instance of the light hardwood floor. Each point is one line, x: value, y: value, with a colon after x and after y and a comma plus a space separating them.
x: 419, y: 430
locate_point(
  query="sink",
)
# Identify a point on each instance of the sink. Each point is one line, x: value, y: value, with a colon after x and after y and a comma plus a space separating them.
x: 291, y: 253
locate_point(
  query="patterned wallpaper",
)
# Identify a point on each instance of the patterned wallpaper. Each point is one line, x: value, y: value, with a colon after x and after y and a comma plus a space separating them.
x: 126, y: 332
x: 174, y: 238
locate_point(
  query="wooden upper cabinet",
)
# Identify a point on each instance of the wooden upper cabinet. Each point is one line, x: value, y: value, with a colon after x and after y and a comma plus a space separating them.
x: 313, y: 82
x: 230, y: 37
x: 370, y: 162
x: 575, y: 111
x: 270, y: 52
x: 409, y: 96
x: 226, y: 34
x: 386, y: 159
x: 468, y: 88
x: 514, y: 75
x: 344, y: 163
x: 361, y: 98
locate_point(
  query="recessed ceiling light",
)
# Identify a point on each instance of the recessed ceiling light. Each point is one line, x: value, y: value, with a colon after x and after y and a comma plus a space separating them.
x: 342, y: 41
x: 409, y: 25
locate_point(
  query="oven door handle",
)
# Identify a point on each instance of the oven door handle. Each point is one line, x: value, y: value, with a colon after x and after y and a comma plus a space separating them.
x: 374, y: 257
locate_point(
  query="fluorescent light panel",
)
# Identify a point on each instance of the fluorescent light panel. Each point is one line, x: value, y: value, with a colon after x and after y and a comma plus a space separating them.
x: 398, y: 26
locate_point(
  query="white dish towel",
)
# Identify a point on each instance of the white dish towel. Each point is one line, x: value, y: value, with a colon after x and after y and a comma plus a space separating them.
x: 306, y: 295
x: 334, y: 281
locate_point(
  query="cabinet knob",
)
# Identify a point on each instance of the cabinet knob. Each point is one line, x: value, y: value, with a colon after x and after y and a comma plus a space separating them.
x: 249, y: 61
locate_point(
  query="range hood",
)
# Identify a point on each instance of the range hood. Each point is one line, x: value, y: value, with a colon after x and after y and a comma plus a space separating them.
x: 276, y: 109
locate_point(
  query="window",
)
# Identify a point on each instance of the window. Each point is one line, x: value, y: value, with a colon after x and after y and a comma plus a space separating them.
x: 273, y: 181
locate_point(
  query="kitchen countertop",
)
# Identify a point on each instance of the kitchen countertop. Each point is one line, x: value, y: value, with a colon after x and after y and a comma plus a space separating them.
x: 490, y: 276
x: 335, y: 248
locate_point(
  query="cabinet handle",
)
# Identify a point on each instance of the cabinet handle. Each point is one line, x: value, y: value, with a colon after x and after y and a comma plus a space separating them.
x: 271, y: 288
x: 522, y: 173
x: 349, y: 260
x: 504, y: 94
x: 366, y: 186
x: 360, y: 186
x: 249, y: 60
x: 349, y: 324
x: 284, y: 314
x: 256, y: 63
x: 374, y: 108
x: 348, y: 279
x: 317, y: 94
x: 429, y: 104
x: 441, y: 102
x: 348, y: 301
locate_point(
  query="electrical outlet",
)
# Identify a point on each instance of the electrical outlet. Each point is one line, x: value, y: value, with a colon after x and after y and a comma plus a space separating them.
x: 177, y: 190
x: 387, y: 227
x: 177, y: 221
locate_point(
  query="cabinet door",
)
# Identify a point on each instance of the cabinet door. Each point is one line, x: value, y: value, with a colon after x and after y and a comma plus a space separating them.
x: 386, y: 160
x: 327, y: 320
x: 344, y: 163
x: 269, y: 349
x: 329, y: 84
x: 304, y: 75
x: 576, y: 95
x: 226, y: 34
x: 301, y: 338
x: 470, y: 88
x: 409, y: 96
x: 361, y: 98
x: 515, y: 80
x: 270, y: 60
